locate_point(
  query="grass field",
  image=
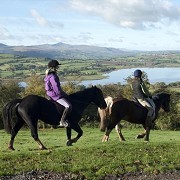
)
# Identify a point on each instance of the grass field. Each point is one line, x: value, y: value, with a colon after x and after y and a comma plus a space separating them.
x: 90, y: 157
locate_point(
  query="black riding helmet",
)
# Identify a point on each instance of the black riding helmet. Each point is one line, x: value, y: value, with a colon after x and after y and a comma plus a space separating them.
x: 53, y: 63
x: 137, y: 73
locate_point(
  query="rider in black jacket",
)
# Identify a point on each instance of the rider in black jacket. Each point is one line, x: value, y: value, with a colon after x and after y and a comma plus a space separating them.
x: 141, y: 93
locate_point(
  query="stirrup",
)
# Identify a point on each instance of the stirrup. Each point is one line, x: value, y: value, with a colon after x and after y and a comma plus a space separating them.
x: 63, y: 124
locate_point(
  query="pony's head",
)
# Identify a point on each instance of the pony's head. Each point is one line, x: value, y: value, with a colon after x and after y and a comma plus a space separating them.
x: 98, y: 97
x: 104, y: 114
x: 166, y: 102
x: 162, y: 100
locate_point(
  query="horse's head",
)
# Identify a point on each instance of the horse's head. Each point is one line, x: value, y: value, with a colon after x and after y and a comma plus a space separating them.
x: 162, y: 100
x: 104, y: 114
x: 165, y: 102
x: 98, y: 98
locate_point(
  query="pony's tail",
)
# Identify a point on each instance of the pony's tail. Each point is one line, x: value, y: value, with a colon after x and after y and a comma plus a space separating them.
x: 10, y: 115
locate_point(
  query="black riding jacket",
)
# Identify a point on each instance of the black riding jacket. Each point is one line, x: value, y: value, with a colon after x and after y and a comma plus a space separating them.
x: 139, y: 89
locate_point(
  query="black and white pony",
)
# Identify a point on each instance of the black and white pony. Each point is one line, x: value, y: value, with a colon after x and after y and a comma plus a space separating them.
x: 124, y: 109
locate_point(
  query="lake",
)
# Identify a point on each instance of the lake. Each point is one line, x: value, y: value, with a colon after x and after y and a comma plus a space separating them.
x: 166, y: 75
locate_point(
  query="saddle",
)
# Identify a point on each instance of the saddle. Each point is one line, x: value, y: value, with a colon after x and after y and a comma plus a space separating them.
x: 137, y: 102
x: 59, y: 107
x: 140, y: 105
x: 118, y: 99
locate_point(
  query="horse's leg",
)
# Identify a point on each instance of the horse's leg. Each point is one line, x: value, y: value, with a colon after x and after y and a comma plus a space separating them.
x: 36, y: 138
x: 106, y: 136
x: 148, y: 128
x: 68, y: 134
x: 114, y: 122
x: 41, y: 146
x: 118, y: 130
x: 76, y: 128
x: 141, y: 135
x: 146, y: 138
x: 14, y: 132
x: 32, y: 123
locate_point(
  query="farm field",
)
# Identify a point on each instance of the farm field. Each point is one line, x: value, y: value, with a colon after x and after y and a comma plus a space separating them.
x: 89, y: 158
x: 20, y: 68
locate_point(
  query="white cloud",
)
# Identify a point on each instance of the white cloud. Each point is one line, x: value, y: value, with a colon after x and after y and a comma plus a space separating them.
x: 118, y: 39
x: 135, y: 14
x: 39, y: 19
x: 44, y: 22
x: 4, y: 34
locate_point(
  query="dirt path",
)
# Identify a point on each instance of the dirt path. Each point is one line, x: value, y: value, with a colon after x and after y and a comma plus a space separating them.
x: 48, y: 175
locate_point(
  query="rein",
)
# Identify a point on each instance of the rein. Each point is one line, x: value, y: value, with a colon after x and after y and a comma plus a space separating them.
x: 78, y: 101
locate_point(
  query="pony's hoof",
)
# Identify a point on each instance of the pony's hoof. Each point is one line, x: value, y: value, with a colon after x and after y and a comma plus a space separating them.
x: 105, y: 138
x: 69, y: 143
x: 43, y: 148
x: 11, y: 148
x: 146, y: 141
x: 139, y: 136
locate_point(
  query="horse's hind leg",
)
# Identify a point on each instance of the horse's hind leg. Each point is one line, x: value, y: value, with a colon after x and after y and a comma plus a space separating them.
x: 32, y: 123
x: 34, y: 134
x: 14, y: 132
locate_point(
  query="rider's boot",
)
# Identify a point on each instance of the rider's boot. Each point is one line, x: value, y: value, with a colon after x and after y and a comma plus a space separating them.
x: 63, y: 122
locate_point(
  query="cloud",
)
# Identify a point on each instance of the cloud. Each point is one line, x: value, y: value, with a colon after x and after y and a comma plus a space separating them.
x: 118, y: 39
x: 4, y: 34
x: 172, y: 33
x: 43, y: 22
x: 135, y: 14
x: 39, y: 19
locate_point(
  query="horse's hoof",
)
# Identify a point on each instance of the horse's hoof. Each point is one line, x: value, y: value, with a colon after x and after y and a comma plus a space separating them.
x: 146, y: 141
x: 139, y: 136
x: 43, y: 148
x: 11, y: 148
x: 105, y: 139
x: 69, y: 143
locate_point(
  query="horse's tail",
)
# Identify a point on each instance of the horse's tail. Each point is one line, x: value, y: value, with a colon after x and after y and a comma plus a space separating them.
x: 9, y: 109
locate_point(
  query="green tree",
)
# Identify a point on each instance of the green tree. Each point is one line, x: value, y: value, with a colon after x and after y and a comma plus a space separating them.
x: 9, y: 90
x: 35, y: 85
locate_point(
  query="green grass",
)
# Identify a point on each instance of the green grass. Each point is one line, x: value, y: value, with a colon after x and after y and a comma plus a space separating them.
x: 90, y: 157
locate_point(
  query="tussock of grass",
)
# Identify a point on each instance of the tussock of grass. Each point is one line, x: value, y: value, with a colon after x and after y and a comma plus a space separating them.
x: 89, y: 156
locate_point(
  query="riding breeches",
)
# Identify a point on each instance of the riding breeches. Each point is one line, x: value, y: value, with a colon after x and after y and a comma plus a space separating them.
x: 64, y: 103
x: 67, y: 106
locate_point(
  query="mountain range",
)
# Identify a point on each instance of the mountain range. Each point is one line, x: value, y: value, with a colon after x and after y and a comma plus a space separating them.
x: 65, y: 51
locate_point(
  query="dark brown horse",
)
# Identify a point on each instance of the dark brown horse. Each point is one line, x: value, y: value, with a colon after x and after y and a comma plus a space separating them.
x: 33, y: 108
x: 124, y: 109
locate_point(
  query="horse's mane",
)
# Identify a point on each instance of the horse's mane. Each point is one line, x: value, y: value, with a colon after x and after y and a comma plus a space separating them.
x: 80, y: 94
x: 159, y: 95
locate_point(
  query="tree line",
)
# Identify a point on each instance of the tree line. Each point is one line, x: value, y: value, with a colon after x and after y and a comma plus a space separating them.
x: 10, y: 90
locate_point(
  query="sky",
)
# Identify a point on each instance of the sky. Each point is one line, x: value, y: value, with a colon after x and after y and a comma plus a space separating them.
x: 126, y: 24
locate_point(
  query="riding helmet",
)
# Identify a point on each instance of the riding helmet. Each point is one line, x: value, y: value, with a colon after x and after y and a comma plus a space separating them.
x: 137, y: 73
x: 53, y: 63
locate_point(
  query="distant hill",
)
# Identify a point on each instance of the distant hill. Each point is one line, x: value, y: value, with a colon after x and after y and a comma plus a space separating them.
x: 66, y: 51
